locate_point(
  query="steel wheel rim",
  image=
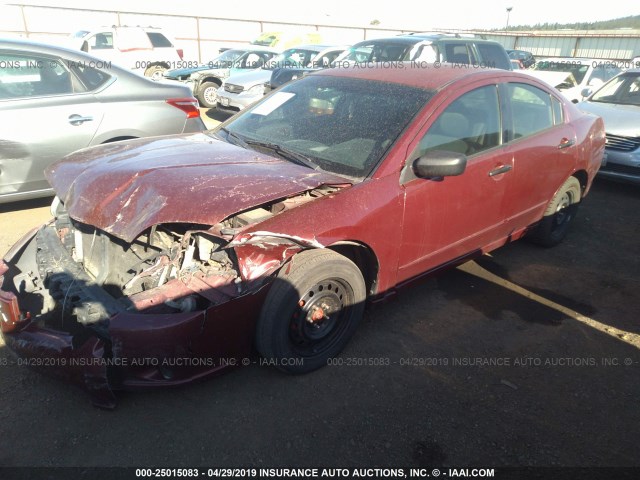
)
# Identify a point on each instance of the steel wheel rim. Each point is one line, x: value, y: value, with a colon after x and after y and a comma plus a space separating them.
x: 210, y: 95
x: 562, y: 213
x: 320, y: 317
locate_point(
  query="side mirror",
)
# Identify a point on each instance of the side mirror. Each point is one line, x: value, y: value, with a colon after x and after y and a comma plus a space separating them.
x: 439, y: 163
x: 586, y: 92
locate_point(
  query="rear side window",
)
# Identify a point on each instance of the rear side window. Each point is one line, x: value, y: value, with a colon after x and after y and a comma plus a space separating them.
x: 558, y: 113
x: 158, y: 40
x: 91, y: 78
x: 531, y: 109
x: 493, y: 56
x: 458, y: 53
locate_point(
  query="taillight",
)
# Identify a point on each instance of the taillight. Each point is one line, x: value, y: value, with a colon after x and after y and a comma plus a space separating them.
x: 9, y: 312
x: 187, y: 105
x: 180, y: 53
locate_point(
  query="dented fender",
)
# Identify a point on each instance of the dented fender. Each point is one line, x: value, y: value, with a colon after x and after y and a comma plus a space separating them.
x: 261, y: 253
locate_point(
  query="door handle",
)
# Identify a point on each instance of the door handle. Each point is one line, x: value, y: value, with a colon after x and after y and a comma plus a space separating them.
x: 499, y: 170
x: 565, y: 142
x: 79, y: 119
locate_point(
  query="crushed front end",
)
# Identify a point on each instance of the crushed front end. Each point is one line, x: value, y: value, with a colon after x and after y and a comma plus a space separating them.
x: 177, y: 303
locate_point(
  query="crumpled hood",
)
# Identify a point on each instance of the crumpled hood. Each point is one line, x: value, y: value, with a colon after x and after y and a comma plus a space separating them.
x: 125, y: 187
x: 623, y: 120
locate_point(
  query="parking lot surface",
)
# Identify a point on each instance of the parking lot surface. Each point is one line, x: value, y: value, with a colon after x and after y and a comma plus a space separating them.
x: 528, y: 356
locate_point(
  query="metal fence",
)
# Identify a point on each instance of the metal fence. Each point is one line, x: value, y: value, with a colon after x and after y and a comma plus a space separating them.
x: 201, y: 37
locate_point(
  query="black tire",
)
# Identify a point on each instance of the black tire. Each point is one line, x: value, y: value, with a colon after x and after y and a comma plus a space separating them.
x: 559, y: 214
x: 155, y: 72
x: 207, y: 94
x: 311, y: 311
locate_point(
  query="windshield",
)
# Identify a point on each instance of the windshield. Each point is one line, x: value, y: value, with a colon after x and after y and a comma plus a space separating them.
x: 376, y: 52
x: 339, y: 125
x: 292, y: 58
x: 575, y: 67
x: 623, y: 89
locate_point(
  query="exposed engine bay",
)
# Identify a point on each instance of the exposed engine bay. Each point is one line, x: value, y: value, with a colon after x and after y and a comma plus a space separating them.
x: 74, y: 274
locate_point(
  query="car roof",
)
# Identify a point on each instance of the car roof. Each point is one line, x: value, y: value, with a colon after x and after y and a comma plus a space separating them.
x: 420, y: 75
x: 400, y: 39
x: 413, y: 38
x: 447, y: 36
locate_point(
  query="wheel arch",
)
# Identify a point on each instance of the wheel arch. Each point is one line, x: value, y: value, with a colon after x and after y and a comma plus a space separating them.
x: 215, y: 80
x: 365, y: 259
x: 583, y: 178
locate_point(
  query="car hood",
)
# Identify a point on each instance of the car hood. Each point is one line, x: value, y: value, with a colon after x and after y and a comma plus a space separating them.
x: 623, y: 120
x: 126, y: 187
x: 250, y: 78
x: 178, y: 72
x: 214, y: 72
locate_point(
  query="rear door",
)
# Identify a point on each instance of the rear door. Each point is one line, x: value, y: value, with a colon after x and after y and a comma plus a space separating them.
x: 46, y: 113
x: 543, y: 147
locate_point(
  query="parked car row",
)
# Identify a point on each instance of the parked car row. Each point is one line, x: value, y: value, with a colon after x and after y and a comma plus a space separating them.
x: 234, y: 90
x: 241, y: 90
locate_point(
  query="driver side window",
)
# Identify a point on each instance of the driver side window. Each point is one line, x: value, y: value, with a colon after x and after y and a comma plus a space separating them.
x: 470, y: 125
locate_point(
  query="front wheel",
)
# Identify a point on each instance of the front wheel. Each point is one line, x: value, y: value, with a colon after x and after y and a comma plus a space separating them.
x: 207, y: 94
x: 311, y: 311
x: 559, y: 214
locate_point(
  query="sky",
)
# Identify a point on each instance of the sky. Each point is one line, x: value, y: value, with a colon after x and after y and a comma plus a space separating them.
x: 459, y: 14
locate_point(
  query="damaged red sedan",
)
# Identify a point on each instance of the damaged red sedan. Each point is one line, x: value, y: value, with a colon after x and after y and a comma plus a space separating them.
x: 170, y: 258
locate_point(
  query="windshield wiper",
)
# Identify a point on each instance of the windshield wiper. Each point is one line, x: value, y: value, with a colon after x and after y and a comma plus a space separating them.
x: 285, y: 153
x: 237, y: 139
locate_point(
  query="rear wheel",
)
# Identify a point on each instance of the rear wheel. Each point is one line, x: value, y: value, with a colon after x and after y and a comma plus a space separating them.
x: 155, y: 72
x: 559, y: 214
x: 311, y: 312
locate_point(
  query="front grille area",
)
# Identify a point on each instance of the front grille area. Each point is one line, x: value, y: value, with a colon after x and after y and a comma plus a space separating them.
x: 229, y: 87
x: 622, y: 144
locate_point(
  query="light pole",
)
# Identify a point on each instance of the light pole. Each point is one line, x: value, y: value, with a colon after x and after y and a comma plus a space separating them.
x: 508, y: 12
